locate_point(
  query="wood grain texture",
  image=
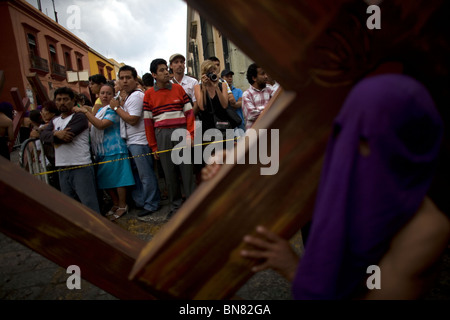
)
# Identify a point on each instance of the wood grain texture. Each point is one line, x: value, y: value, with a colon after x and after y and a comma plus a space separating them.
x: 196, y: 256
x: 2, y: 80
x: 316, y: 50
x: 21, y: 106
x: 68, y: 233
x: 38, y: 88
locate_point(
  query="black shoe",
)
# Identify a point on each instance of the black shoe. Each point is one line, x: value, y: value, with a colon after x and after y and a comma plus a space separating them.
x: 144, y: 213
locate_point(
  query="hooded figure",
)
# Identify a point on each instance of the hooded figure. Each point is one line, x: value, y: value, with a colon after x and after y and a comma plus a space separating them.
x: 378, y: 168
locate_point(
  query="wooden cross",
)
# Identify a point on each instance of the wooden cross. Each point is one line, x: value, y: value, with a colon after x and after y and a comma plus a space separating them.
x: 2, y: 80
x: 21, y: 107
x: 38, y: 88
x: 316, y: 50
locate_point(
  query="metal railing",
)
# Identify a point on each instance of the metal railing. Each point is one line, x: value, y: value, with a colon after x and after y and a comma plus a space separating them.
x: 58, y: 70
x: 38, y: 64
x: 32, y: 158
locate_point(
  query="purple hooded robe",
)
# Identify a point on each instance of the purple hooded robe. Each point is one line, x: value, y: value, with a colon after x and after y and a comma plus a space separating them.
x: 364, y: 199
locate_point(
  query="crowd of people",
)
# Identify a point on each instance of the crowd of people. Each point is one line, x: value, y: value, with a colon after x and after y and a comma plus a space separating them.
x: 116, y: 145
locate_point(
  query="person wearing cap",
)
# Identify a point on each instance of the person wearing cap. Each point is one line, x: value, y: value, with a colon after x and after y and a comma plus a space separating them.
x: 231, y: 99
x: 177, y: 64
x: 227, y: 75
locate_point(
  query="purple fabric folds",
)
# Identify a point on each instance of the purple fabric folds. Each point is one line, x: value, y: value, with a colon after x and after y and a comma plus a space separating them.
x: 364, y: 198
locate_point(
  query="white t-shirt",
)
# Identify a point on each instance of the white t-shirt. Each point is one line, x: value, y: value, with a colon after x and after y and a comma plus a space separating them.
x: 134, y: 106
x: 74, y: 153
x: 188, y: 84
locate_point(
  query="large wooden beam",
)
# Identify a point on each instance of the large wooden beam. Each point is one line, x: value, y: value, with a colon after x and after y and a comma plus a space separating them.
x: 2, y: 80
x: 200, y: 247
x: 21, y: 106
x: 38, y: 88
x: 317, y: 50
x: 197, y: 255
x: 68, y: 233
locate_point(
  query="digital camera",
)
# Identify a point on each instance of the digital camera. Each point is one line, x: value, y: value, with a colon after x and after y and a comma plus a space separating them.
x: 212, y: 76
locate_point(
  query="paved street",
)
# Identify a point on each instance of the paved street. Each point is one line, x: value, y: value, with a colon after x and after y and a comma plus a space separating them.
x: 25, y: 275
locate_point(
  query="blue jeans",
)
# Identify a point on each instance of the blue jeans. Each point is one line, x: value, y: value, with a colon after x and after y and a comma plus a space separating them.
x: 146, y: 193
x: 80, y: 183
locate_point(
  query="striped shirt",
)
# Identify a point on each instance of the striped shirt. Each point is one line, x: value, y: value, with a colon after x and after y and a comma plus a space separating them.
x: 253, y: 103
x: 168, y: 107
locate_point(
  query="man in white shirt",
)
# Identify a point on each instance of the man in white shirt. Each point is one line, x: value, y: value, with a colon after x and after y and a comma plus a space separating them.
x: 177, y: 64
x: 146, y: 194
x: 69, y: 134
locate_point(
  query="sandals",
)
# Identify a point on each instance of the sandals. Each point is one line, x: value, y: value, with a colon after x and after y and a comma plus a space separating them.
x: 119, y: 212
x: 112, y: 211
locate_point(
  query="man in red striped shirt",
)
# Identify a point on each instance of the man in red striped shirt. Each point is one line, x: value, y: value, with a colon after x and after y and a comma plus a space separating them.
x: 167, y: 108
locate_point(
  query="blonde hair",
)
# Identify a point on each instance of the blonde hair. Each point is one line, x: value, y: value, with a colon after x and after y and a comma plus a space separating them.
x: 206, y: 66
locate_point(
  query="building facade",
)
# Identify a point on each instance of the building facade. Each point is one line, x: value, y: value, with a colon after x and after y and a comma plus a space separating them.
x: 116, y: 65
x: 37, y: 53
x: 204, y: 41
x: 98, y: 64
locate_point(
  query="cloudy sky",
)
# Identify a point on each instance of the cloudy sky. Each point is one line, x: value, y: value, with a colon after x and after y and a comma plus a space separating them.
x: 131, y: 31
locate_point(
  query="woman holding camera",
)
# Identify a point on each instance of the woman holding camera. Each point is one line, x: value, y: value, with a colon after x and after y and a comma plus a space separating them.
x: 212, y: 101
x: 212, y: 97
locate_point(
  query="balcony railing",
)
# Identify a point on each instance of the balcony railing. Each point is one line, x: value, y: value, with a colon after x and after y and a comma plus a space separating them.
x: 38, y: 64
x: 58, y: 71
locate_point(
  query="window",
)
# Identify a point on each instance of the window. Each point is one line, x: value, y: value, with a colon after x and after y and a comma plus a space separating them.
x: 32, y: 40
x: 67, y: 60
x: 226, y: 53
x: 52, y: 50
x: 32, y: 46
x: 101, y: 67
x: 37, y: 63
x: 79, y: 64
x: 207, y: 39
x: 109, y: 72
x: 79, y: 60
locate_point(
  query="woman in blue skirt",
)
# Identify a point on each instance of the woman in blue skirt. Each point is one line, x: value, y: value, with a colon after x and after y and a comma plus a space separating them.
x: 114, y: 170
